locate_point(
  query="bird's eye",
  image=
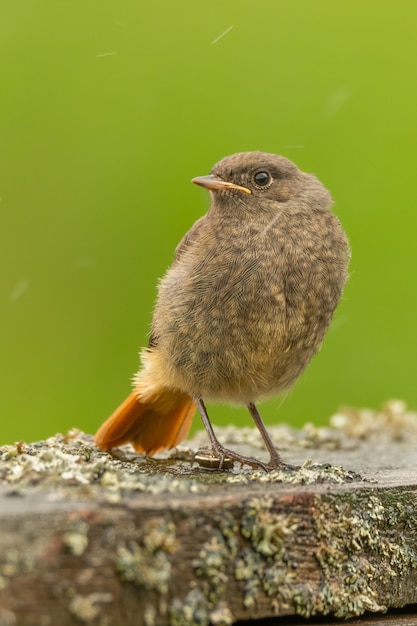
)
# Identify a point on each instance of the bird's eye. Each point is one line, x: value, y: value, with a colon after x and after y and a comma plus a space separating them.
x: 262, y: 179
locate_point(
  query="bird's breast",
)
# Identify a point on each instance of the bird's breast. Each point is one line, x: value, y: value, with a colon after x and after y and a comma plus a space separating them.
x: 241, y: 318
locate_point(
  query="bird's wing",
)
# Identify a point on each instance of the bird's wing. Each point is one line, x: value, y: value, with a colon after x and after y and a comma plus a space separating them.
x: 189, y: 238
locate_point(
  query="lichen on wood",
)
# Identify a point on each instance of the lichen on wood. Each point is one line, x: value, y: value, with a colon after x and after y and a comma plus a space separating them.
x: 115, y: 539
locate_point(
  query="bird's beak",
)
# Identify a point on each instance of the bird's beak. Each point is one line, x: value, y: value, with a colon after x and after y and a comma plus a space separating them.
x: 217, y: 184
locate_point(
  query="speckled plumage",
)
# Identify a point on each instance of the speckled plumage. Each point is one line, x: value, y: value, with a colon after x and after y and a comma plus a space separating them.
x: 253, y: 287
x: 242, y: 309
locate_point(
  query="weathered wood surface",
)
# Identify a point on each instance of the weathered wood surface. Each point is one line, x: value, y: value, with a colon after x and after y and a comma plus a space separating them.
x: 92, y: 538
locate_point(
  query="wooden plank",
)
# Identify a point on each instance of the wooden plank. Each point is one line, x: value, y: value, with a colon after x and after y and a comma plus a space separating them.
x: 88, y: 537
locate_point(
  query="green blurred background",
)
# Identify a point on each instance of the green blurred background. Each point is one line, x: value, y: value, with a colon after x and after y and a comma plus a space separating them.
x: 108, y: 109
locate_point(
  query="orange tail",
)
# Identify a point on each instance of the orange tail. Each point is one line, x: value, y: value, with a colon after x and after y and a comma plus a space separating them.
x: 158, y: 421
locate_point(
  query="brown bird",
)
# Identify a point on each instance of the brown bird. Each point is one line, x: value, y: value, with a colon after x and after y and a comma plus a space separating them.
x: 242, y: 309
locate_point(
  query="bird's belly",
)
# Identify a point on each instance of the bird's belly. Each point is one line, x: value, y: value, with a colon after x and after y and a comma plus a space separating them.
x: 235, y: 349
x: 242, y: 332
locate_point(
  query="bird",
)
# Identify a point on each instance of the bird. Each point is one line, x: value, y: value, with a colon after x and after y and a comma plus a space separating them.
x: 243, y: 308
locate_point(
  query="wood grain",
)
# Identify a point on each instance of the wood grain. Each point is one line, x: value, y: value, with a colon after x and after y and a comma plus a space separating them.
x: 92, y: 538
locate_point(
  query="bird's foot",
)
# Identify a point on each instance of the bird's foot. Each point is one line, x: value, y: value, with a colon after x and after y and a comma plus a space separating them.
x: 220, y: 457
x: 276, y: 463
x: 223, y: 458
x: 279, y: 464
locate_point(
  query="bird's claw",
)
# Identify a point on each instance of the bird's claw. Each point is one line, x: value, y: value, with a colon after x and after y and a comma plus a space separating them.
x: 224, y: 454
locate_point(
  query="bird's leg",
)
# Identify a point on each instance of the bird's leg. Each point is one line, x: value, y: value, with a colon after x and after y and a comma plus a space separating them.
x: 275, y: 460
x: 218, y: 449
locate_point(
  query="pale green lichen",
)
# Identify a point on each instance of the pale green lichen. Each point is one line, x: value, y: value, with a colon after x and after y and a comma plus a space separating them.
x: 221, y: 615
x: 265, y: 528
x: 266, y: 565
x: 73, y: 467
x: 354, y: 552
x: 144, y: 561
x: 149, y: 616
x: 247, y: 568
x: 255, y: 545
x: 256, y: 551
x: 83, y: 608
x: 90, y: 607
x: 210, y: 568
x: 191, y: 611
x: 75, y: 537
x: 355, y: 555
x: 13, y: 562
